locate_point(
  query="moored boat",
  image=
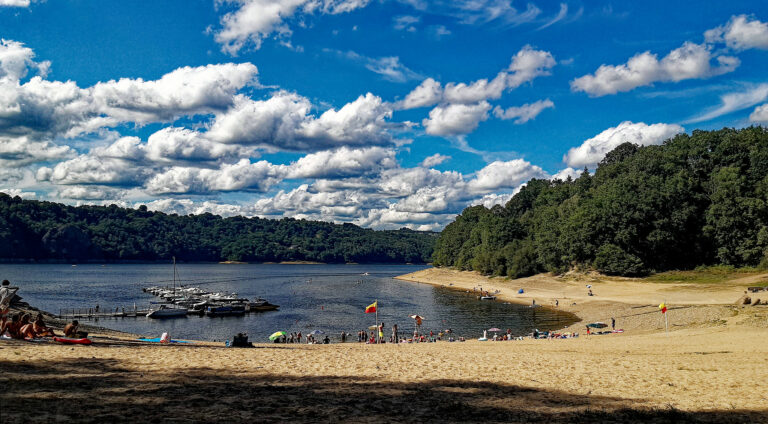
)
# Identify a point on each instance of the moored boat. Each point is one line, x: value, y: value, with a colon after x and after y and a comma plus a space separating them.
x: 167, y: 312
x: 225, y: 310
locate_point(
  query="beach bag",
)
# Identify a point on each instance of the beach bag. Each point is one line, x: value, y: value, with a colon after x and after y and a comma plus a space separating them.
x: 241, y: 340
x: 165, y: 338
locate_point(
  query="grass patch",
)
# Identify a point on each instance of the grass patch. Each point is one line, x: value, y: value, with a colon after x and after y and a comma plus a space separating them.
x: 706, y: 275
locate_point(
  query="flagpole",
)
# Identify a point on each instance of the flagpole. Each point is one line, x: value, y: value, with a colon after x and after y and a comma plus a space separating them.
x: 377, y: 322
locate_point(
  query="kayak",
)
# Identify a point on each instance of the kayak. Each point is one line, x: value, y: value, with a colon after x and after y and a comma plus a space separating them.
x: 67, y: 340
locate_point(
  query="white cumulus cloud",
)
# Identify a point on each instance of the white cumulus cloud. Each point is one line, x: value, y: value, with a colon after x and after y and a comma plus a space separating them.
x: 740, y: 33
x: 690, y: 61
x: 594, y: 149
x: 456, y: 119
x: 526, y: 65
x: 254, y: 20
x: 434, y: 160
x: 510, y: 174
x: 760, y: 114
x: 524, y: 113
x: 14, y: 3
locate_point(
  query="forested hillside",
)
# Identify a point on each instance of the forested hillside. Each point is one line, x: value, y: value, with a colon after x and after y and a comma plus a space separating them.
x: 699, y: 199
x: 43, y: 231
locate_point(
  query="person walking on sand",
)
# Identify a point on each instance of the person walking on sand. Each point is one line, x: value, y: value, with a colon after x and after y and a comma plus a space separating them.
x: 613, y: 324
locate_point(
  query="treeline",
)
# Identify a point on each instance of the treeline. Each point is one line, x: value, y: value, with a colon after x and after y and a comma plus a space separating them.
x: 37, y: 230
x: 699, y: 199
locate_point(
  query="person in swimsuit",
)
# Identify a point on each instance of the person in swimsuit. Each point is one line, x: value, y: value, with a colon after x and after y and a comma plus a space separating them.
x: 40, y: 329
x: 23, y: 328
x: 12, y: 326
x: 71, y: 329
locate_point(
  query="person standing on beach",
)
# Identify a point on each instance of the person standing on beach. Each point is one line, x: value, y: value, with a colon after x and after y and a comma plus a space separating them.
x: 394, y: 332
x: 613, y: 324
x: 6, y: 294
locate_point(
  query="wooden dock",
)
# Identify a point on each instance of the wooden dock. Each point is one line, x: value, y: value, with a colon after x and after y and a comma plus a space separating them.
x: 101, y: 313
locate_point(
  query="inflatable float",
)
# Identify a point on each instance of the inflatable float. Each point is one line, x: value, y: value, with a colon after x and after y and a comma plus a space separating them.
x: 68, y: 340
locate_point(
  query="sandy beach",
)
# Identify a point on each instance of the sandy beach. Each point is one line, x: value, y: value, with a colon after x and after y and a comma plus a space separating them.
x: 711, y: 367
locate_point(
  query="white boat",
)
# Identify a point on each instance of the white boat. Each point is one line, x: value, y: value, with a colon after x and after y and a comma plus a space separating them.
x: 487, y: 297
x: 166, y: 311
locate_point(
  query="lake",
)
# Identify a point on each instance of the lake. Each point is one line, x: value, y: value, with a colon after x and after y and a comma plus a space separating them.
x: 330, y: 298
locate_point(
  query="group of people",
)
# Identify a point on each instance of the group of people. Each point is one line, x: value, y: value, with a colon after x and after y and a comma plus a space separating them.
x: 296, y: 337
x: 20, y: 325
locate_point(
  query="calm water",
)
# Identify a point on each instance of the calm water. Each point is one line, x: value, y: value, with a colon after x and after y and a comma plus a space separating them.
x: 311, y: 297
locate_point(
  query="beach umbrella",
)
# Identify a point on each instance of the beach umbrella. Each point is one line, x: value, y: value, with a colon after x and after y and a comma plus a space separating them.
x: 597, y: 325
x: 494, y: 329
x: 277, y: 334
x: 317, y: 332
x: 418, y: 319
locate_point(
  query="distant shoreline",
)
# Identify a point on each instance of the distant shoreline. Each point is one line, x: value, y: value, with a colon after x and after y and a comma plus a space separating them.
x: 632, y: 302
x: 5, y: 261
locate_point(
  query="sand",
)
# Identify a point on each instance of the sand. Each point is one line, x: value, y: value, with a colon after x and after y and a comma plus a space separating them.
x: 711, y: 367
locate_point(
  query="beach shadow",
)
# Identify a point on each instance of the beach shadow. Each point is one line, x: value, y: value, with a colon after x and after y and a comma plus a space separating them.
x: 99, y: 390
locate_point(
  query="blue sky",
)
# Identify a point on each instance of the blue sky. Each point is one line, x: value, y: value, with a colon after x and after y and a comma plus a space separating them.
x: 384, y: 113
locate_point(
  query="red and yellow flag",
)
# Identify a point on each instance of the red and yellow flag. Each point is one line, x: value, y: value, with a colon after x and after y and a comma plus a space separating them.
x: 371, y: 308
x: 663, y: 307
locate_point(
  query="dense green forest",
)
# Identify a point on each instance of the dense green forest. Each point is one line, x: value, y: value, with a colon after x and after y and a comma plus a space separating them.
x: 50, y: 231
x: 699, y: 199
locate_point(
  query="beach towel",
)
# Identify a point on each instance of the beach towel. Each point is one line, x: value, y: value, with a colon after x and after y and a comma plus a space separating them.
x: 157, y: 340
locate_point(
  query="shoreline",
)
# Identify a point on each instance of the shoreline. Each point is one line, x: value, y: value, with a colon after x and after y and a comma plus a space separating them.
x: 712, y: 366
x: 631, y: 301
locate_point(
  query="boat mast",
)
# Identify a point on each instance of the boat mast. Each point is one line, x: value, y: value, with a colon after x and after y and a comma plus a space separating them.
x: 174, y: 277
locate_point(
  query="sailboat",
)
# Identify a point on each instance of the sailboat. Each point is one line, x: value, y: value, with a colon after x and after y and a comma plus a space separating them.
x: 166, y: 311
